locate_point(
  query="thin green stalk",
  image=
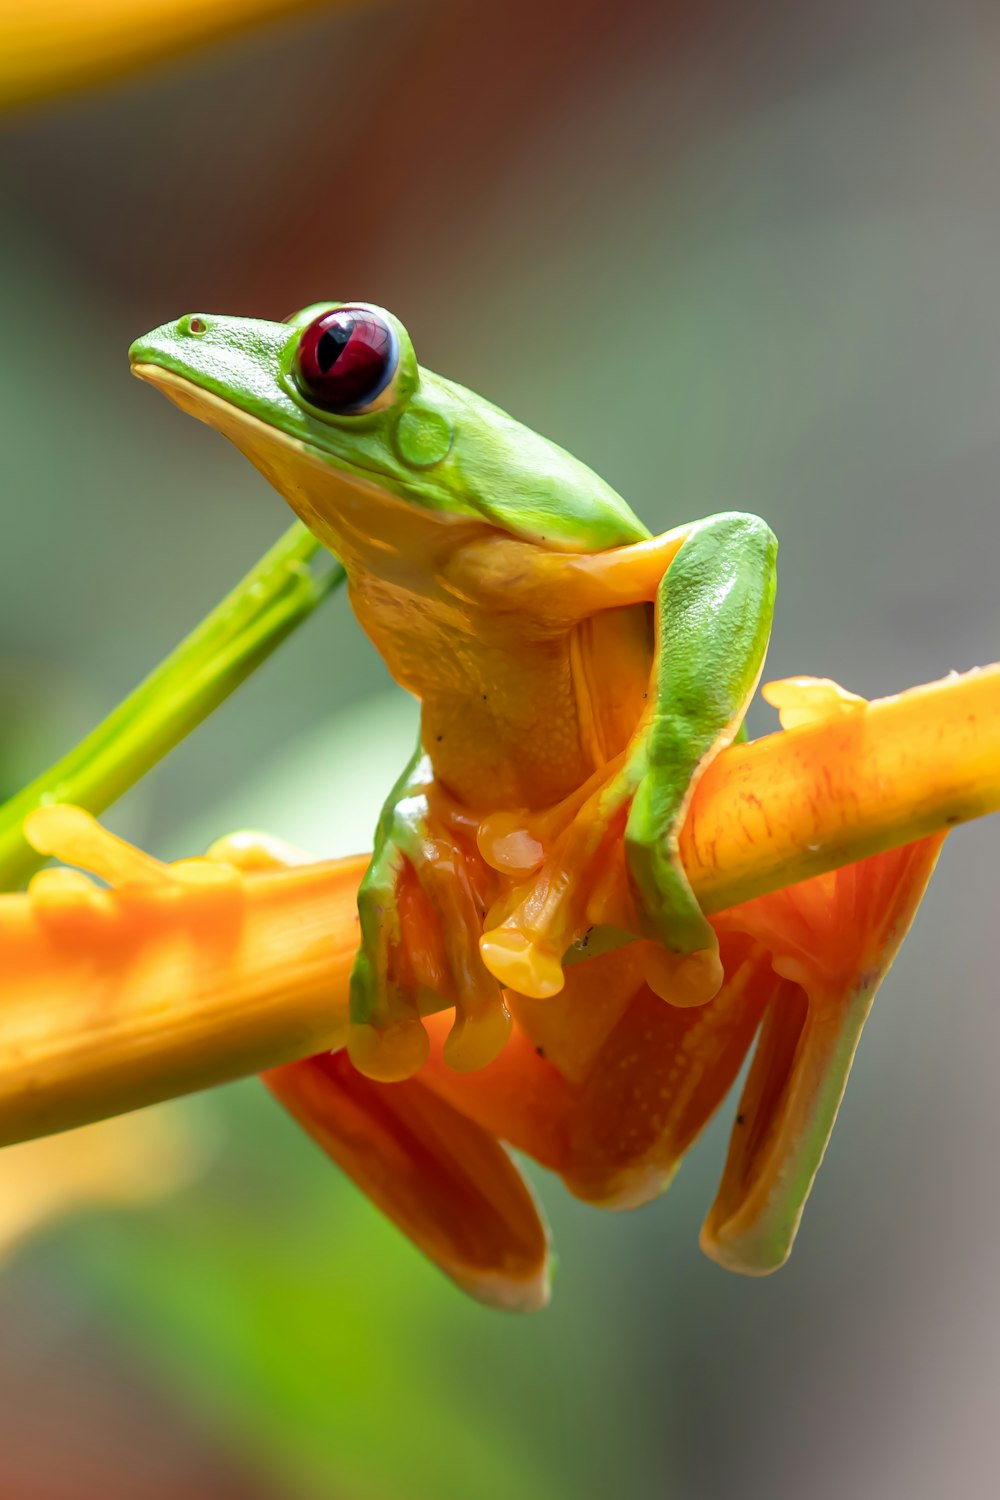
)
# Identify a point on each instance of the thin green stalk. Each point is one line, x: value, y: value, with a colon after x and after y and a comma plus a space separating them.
x: 275, y: 596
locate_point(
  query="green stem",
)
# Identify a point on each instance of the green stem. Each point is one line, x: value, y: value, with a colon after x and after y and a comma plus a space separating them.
x: 266, y: 606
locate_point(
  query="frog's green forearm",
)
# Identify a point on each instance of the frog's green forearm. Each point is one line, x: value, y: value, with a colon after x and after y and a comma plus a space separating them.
x: 275, y: 596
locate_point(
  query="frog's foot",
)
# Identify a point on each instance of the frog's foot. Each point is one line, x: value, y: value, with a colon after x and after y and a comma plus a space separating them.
x: 421, y: 906
x: 600, y: 869
x: 564, y: 875
x: 392, y: 989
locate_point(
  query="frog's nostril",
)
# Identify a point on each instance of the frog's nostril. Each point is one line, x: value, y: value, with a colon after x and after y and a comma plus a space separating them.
x: 192, y: 325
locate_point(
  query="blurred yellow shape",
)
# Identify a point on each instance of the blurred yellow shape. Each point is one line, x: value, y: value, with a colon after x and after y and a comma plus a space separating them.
x: 132, y: 1160
x: 64, y: 44
x: 77, y: 837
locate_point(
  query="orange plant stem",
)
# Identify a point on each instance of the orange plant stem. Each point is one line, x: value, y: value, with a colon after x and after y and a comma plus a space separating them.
x: 117, y: 999
x: 147, y: 992
x: 792, y: 805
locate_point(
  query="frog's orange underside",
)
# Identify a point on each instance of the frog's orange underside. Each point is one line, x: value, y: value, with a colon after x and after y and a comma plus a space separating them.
x: 181, y: 976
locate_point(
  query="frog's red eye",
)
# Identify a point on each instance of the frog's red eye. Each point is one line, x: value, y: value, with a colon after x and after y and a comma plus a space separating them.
x: 345, y: 359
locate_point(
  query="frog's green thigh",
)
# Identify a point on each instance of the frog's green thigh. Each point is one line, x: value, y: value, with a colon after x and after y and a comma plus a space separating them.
x: 713, y: 615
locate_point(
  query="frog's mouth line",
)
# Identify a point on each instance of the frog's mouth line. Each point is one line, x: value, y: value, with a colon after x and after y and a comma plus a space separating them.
x: 255, y: 437
x: 260, y: 441
x: 282, y: 459
x: 252, y: 434
x: 225, y: 416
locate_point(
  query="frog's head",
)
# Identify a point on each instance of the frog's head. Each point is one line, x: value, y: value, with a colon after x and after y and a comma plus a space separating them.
x: 334, y: 410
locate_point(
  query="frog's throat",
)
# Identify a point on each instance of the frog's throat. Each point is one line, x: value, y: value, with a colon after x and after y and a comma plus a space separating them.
x: 346, y: 508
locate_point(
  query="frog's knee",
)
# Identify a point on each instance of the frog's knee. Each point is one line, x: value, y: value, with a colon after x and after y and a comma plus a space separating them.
x: 743, y: 528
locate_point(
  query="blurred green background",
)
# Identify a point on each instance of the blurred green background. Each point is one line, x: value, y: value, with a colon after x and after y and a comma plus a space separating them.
x: 730, y: 256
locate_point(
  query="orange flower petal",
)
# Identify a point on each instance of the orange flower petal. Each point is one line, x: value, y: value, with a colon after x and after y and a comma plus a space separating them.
x: 442, y: 1179
x: 833, y: 940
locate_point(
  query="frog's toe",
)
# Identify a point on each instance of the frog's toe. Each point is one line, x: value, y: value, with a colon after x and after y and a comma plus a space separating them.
x: 683, y: 979
x: 388, y: 1054
x: 521, y: 963
x: 477, y: 1037
x: 386, y: 1040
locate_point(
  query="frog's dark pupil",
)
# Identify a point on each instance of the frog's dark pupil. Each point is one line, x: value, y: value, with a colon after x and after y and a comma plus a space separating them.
x: 332, y: 345
x: 345, y: 358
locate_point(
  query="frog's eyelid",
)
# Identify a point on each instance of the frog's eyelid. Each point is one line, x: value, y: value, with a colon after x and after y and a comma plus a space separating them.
x: 303, y: 316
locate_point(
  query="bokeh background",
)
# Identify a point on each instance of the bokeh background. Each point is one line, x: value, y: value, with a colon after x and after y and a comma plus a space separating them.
x: 730, y: 256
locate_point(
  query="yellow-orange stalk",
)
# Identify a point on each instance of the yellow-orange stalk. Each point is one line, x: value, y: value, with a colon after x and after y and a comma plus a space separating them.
x: 110, y: 1000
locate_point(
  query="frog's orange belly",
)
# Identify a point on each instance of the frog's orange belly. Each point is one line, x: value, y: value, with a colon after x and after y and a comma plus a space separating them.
x: 491, y: 753
x: 515, y: 714
x: 541, y: 721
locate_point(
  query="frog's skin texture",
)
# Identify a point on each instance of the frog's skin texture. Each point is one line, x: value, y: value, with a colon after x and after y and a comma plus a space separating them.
x: 576, y: 677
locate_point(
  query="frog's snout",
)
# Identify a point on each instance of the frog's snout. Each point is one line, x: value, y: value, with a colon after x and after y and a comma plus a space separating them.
x: 190, y: 326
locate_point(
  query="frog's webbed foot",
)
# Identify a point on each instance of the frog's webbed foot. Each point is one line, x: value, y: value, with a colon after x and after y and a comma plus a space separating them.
x: 573, y: 870
x: 421, y: 907
x: 563, y: 875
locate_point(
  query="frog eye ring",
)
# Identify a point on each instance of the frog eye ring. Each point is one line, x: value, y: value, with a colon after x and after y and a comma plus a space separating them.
x: 345, y: 360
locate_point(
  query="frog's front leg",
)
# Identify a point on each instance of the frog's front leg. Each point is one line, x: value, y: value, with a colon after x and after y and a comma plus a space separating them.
x: 714, y: 603
x: 420, y: 906
x: 714, y: 609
